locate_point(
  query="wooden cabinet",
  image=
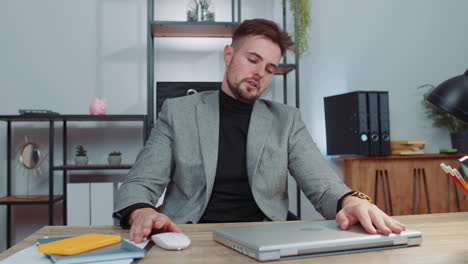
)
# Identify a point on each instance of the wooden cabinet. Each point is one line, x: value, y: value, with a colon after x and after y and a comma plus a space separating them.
x: 401, y: 189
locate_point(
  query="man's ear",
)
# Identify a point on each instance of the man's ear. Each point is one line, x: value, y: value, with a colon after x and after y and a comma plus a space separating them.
x: 228, y: 52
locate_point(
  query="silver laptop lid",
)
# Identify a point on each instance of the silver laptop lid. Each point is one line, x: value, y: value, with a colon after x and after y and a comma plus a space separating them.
x: 298, y: 238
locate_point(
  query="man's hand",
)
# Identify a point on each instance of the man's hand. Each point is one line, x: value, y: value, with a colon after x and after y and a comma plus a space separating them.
x: 373, y: 220
x: 144, y: 220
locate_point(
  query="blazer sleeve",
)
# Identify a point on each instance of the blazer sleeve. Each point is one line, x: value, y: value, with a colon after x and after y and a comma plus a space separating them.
x: 314, y: 176
x: 153, y: 167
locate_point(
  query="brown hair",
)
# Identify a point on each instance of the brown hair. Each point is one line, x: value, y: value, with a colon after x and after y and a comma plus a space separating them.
x: 266, y: 28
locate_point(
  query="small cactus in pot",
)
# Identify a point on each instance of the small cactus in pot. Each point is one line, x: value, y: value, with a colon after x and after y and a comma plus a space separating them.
x: 81, y: 157
x: 115, y: 158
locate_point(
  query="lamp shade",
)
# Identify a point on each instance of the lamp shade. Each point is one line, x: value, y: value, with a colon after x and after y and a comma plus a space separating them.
x: 452, y: 96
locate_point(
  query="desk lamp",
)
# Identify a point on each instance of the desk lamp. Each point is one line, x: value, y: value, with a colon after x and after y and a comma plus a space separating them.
x: 452, y: 96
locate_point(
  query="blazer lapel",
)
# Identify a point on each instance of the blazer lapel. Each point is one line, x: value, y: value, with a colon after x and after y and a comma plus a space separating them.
x: 207, y: 113
x: 259, y: 127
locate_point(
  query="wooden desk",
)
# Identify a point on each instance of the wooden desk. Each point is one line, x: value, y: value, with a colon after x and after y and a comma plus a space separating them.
x: 445, y: 240
x: 407, y: 195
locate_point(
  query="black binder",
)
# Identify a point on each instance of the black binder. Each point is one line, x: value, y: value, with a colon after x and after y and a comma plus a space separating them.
x: 346, y: 124
x: 373, y: 115
x: 358, y: 123
x: 384, y: 124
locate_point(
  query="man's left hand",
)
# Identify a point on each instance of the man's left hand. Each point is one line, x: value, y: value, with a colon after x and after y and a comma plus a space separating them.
x: 373, y: 220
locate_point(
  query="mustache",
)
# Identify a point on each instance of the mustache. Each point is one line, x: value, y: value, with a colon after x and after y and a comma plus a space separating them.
x: 256, y: 80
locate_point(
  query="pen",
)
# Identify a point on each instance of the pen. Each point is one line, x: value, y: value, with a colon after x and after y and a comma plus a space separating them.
x: 460, y: 177
x: 452, y: 174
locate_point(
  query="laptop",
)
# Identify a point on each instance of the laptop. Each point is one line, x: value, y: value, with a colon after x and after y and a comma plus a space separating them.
x: 305, y: 239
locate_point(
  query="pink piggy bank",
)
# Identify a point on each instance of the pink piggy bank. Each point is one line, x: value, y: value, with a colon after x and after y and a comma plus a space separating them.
x: 98, y: 106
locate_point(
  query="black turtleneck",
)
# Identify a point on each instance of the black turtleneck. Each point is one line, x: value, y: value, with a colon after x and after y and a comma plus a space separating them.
x: 231, y: 199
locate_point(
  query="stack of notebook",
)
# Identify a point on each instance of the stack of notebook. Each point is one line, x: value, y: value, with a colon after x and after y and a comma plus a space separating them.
x: 408, y: 147
x: 89, y: 248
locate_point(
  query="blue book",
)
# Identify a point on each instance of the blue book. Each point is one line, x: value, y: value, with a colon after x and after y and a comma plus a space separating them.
x: 119, y: 251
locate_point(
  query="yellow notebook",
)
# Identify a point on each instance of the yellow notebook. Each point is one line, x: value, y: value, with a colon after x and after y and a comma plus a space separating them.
x: 78, y: 244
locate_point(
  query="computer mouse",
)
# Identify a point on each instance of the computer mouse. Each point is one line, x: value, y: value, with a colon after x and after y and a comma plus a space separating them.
x: 171, y: 241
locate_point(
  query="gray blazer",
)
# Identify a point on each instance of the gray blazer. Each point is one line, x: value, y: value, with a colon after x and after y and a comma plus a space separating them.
x: 181, y: 154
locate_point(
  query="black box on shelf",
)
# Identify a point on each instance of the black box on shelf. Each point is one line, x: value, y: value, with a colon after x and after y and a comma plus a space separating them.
x: 165, y: 90
x: 358, y: 123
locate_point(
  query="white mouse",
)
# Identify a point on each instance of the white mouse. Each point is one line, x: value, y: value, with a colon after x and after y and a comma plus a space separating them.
x: 171, y: 241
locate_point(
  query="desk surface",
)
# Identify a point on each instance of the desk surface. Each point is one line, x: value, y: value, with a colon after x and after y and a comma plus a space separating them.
x: 445, y: 240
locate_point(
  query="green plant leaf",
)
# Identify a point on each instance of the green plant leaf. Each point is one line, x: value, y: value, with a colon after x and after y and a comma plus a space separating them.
x: 304, y: 23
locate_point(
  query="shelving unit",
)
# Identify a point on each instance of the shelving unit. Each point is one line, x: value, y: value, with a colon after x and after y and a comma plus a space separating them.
x: 94, y: 167
x: 10, y: 199
x: 193, y: 29
x: 29, y: 199
x: 159, y: 29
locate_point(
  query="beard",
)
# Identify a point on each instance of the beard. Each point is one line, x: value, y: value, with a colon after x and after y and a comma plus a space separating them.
x: 243, y: 91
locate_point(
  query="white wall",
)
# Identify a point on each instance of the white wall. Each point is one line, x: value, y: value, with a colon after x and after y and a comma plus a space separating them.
x: 383, y: 45
x: 60, y: 54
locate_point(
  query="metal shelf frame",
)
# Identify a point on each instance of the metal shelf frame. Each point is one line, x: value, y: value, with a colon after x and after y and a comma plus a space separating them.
x: 11, y: 200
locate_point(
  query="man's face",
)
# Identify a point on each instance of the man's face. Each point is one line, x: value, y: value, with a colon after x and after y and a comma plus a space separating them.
x: 250, y: 65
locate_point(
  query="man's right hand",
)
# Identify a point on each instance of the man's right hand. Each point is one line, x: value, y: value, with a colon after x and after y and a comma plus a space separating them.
x: 144, y: 220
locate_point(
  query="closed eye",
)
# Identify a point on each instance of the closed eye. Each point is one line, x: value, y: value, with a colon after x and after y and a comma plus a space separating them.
x: 271, y: 70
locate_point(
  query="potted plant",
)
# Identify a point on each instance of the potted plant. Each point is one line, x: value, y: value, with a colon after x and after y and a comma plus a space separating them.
x: 114, y: 158
x: 304, y: 23
x: 457, y: 128
x: 80, y: 156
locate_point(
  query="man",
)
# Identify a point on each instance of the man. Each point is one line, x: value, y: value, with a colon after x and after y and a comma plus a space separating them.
x: 224, y: 156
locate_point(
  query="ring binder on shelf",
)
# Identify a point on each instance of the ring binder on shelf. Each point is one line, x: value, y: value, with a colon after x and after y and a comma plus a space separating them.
x: 358, y: 123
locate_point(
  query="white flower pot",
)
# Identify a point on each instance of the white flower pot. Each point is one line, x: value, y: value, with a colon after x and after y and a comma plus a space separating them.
x: 81, y: 160
x: 114, y: 160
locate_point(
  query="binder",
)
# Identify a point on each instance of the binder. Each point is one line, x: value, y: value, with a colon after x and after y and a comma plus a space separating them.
x: 346, y: 124
x: 384, y: 124
x: 373, y: 119
x: 363, y: 127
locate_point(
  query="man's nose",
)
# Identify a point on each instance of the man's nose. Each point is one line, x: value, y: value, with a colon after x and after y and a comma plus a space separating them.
x: 260, y: 70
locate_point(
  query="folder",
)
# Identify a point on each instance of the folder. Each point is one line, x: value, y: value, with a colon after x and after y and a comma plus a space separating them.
x: 119, y: 251
x: 358, y: 123
x: 384, y: 124
x: 363, y: 127
x: 79, y: 244
x: 373, y: 117
x: 346, y: 124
